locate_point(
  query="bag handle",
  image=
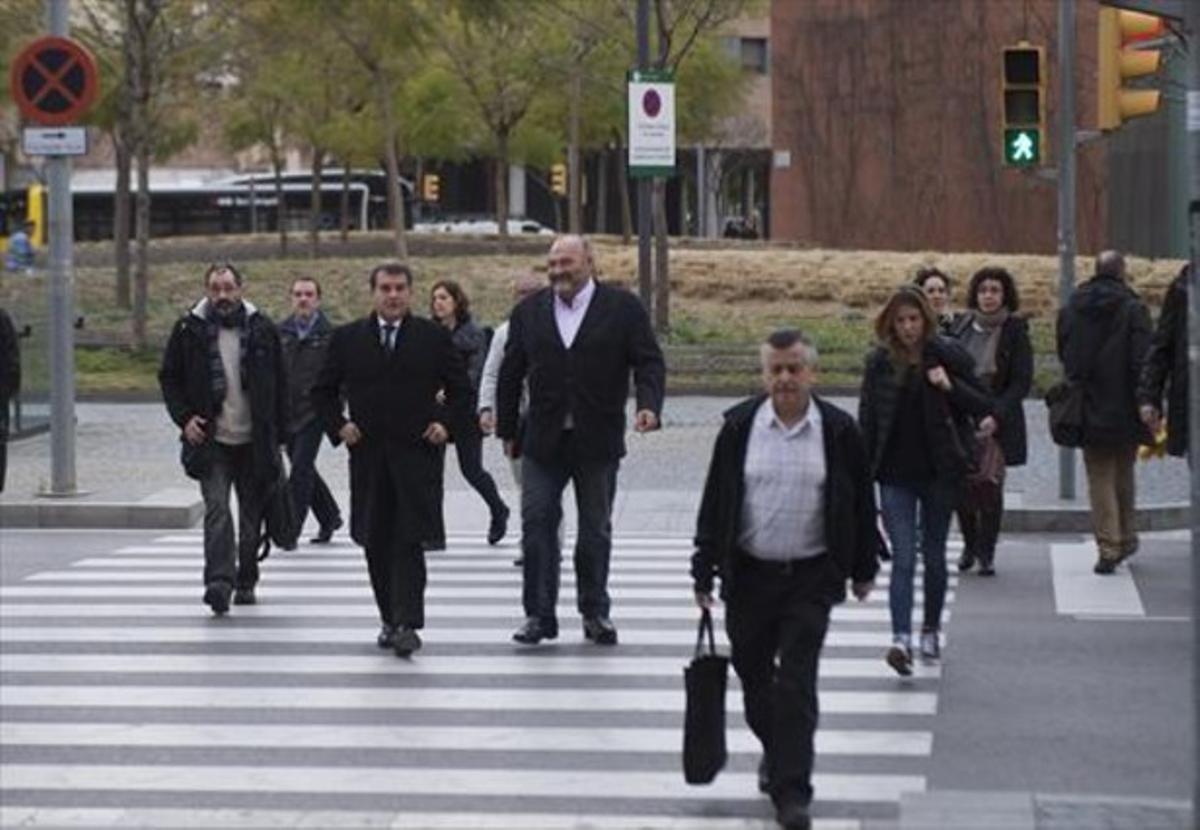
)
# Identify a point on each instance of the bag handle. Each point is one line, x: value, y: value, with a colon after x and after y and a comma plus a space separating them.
x: 706, y: 626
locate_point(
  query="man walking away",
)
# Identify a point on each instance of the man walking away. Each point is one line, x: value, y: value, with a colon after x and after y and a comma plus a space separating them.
x: 305, y: 336
x: 1103, y: 334
x: 575, y: 343
x: 787, y: 518
x: 1167, y: 367
x: 222, y: 382
x: 389, y: 366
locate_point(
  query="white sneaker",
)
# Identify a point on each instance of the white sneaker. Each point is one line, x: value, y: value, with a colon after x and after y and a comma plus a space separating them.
x: 931, y: 647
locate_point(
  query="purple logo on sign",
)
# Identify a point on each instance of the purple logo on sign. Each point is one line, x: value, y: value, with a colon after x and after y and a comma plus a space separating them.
x: 652, y: 103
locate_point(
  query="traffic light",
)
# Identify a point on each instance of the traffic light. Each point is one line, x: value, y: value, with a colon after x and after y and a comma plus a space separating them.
x: 1024, y: 104
x: 1117, y: 61
x: 430, y: 187
x: 558, y: 179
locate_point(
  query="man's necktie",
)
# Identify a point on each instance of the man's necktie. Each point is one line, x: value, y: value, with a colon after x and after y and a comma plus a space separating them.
x: 389, y: 336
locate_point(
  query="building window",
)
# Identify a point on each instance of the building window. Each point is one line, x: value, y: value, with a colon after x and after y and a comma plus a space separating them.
x: 754, y: 54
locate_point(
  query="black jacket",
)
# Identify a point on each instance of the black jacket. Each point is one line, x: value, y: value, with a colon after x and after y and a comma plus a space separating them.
x: 392, y: 398
x: 186, y: 385
x: 10, y: 366
x: 1167, y: 366
x: 948, y: 416
x: 849, y: 503
x: 302, y: 360
x: 1103, y: 336
x: 590, y: 380
x: 471, y: 343
x: 1010, y: 385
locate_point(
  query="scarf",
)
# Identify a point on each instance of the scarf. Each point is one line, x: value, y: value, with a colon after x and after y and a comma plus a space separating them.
x: 216, y: 369
x: 981, y: 339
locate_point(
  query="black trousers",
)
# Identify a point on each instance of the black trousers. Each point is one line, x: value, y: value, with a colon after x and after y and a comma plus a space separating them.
x: 395, y: 558
x: 776, y: 621
x: 980, y: 524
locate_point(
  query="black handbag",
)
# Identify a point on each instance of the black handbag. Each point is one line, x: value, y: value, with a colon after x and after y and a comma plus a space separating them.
x: 1065, y: 400
x: 281, y: 523
x: 704, y: 679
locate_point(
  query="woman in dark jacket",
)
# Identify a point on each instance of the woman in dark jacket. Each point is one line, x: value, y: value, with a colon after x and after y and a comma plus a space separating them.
x: 919, y: 392
x: 1166, y: 367
x: 998, y: 341
x: 450, y: 306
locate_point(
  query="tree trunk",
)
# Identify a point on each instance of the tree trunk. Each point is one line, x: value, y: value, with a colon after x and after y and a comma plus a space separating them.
x: 600, y: 225
x: 502, y: 183
x: 314, y: 204
x: 344, y: 208
x: 141, y: 284
x: 392, y: 158
x: 124, y: 296
x: 662, y: 274
x: 280, y: 207
x: 623, y: 189
x: 574, y: 192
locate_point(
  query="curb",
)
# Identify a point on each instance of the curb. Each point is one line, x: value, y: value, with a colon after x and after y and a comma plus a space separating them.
x: 1078, y: 518
x: 172, y: 509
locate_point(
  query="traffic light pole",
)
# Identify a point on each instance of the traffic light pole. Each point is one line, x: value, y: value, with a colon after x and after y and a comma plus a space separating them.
x: 1192, y: 27
x: 61, y: 289
x: 645, y: 283
x: 1066, y: 196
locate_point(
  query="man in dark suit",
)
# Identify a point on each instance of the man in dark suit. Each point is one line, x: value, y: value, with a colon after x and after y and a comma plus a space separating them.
x: 575, y: 343
x: 786, y: 520
x: 390, y: 366
x: 10, y: 383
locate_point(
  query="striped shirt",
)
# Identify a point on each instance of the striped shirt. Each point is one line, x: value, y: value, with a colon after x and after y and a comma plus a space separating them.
x: 783, y: 508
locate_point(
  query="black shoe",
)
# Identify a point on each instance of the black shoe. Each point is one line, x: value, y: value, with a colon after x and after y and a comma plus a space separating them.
x: 244, y: 596
x: 387, y: 636
x: 326, y: 533
x: 792, y: 814
x: 899, y: 657
x: 519, y: 562
x: 600, y: 631
x: 986, y: 567
x: 764, y: 776
x: 499, y: 526
x: 434, y: 544
x: 216, y: 597
x: 966, y: 561
x: 534, y: 631
x: 1105, y: 566
x: 406, y: 641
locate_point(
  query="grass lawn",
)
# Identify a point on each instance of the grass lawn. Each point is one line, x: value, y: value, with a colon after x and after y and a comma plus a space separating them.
x: 724, y: 299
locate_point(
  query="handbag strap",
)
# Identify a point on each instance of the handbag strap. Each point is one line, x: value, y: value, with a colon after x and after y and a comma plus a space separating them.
x: 706, y: 625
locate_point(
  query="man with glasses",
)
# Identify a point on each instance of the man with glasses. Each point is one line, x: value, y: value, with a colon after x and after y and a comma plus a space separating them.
x: 222, y: 381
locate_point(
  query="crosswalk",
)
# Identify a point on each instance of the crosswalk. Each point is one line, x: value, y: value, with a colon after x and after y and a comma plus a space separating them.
x: 124, y: 704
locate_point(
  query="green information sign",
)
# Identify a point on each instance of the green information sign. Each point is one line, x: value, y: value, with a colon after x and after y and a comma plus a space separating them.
x: 1022, y: 147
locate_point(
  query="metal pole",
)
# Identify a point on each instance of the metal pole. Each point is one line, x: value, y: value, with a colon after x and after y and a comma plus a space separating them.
x: 61, y: 287
x: 645, y: 283
x: 1192, y: 25
x: 701, y: 194
x: 1066, y: 196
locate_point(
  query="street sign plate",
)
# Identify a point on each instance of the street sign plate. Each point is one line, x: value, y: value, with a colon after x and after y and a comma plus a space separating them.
x: 54, y: 141
x: 651, y: 111
x: 54, y: 81
x: 1023, y: 147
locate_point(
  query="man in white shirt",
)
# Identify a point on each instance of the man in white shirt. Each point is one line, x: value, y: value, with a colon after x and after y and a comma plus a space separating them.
x: 787, y: 518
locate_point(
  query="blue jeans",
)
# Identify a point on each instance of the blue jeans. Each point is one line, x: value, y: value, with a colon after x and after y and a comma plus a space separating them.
x: 542, y: 485
x: 308, y: 488
x: 900, y: 503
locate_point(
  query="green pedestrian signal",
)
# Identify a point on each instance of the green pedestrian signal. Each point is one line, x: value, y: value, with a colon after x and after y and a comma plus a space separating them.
x: 1022, y: 147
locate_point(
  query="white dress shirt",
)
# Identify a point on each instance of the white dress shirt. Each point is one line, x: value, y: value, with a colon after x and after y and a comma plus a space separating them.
x: 569, y: 318
x: 383, y: 336
x: 783, y: 513
x: 491, y: 368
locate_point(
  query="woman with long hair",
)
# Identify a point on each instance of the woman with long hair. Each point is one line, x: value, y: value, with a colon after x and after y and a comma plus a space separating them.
x: 998, y: 340
x: 919, y: 392
x: 450, y: 306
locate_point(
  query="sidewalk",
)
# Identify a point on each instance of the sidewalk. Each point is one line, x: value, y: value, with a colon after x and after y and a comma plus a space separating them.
x: 139, y: 483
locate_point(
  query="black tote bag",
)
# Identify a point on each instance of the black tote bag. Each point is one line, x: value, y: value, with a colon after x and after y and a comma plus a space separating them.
x: 704, y: 751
